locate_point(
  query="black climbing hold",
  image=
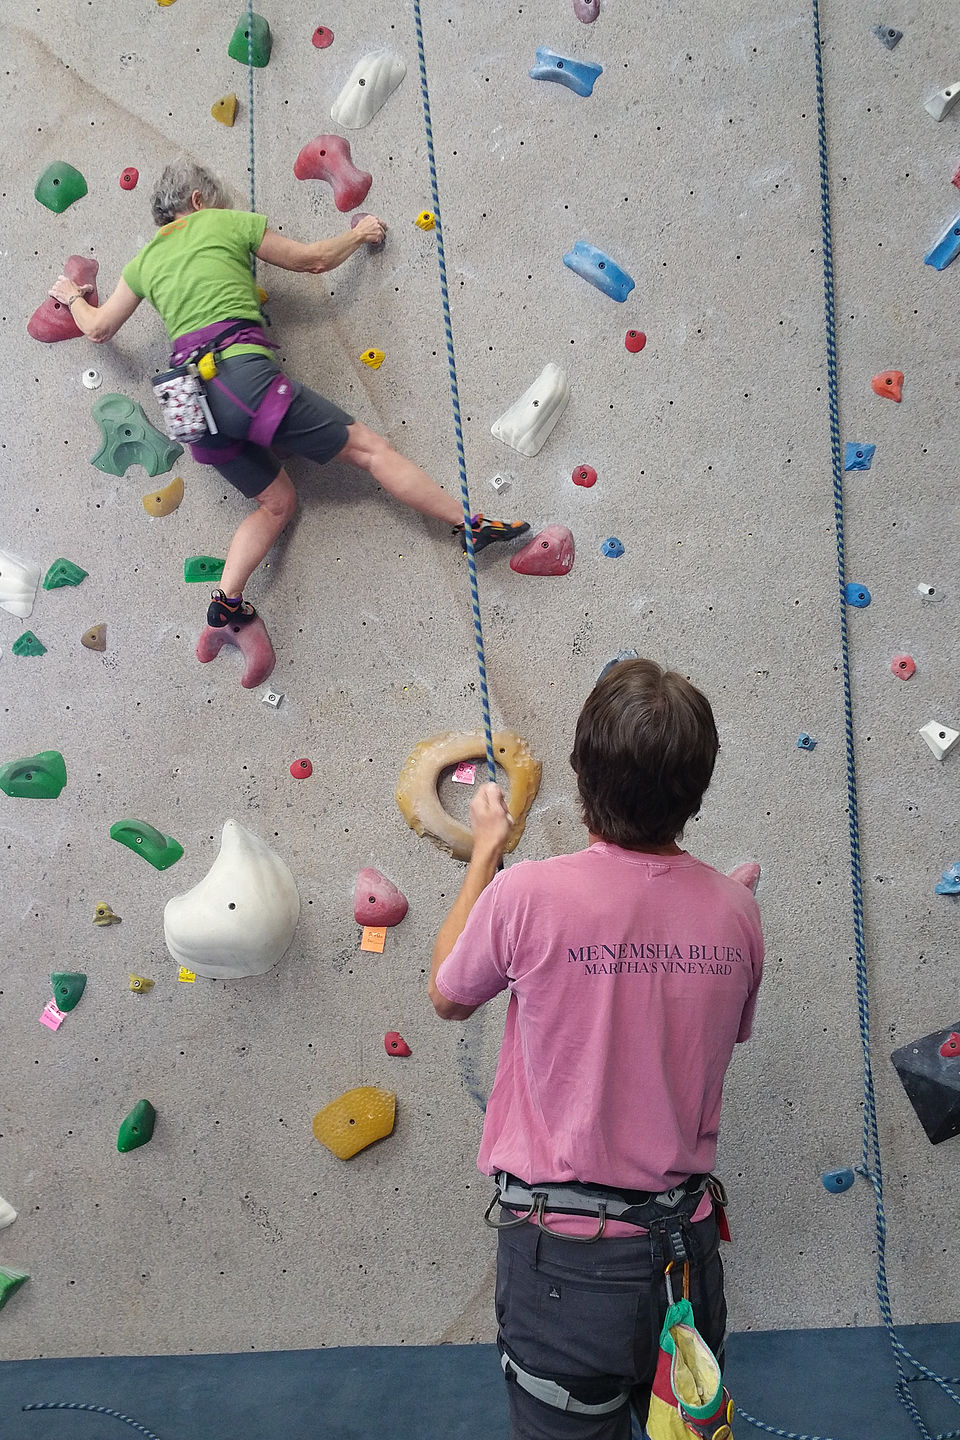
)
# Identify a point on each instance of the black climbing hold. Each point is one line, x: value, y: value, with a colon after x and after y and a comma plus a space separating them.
x: 931, y: 1079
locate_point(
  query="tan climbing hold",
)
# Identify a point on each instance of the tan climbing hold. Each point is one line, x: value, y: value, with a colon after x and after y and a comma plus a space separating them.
x: 355, y: 1120
x: 103, y: 915
x: 165, y: 501
x: 373, y: 358
x: 225, y: 109
x: 95, y: 638
x: 140, y: 984
x: 417, y: 787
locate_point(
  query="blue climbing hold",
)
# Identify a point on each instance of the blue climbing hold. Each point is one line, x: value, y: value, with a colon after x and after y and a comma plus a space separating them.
x: 836, y: 1181
x: 580, y: 76
x: 949, y: 882
x: 593, y: 265
x: 618, y: 659
x: 857, y: 456
x: 946, y: 249
x: 805, y: 741
x: 858, y: 595
x: 612, y: 548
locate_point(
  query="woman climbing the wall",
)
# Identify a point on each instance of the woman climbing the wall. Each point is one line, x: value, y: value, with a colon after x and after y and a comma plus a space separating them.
x: 197, y: 273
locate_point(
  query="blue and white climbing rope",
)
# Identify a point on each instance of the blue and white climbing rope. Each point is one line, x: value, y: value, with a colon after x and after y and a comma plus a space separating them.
x: 93, y: 1410
x: 455, y: 397
x: 870, y: 1167
x: 250, y: 124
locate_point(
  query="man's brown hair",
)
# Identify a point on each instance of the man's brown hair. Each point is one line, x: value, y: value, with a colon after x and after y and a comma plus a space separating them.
x: 644, y: 752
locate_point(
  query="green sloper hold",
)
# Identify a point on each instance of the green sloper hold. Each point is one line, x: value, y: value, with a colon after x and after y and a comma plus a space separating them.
x: 63, y: 572
x: 160, y: 851
x: 59, y: 185
x: 130, y: 439
x: 68, y: 986
x: 137, y: 1127
x: 28, y: 644
x: 202, y: 567
x: 10, y: 1282
x: 240, y: 47
x: 36, y: 777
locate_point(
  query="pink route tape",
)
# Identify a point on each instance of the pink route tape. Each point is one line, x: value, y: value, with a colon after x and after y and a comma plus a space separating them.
x: 53, y: 1017
x: 465, y: 773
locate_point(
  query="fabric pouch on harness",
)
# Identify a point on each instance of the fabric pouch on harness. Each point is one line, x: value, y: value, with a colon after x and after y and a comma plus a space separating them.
x: 688, y: 1395
x: 183, y: 405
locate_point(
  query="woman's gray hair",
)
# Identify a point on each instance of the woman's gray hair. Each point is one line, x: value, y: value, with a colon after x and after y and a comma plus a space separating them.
x: 175, y: 186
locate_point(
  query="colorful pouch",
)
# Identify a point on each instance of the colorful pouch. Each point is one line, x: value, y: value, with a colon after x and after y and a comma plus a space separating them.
x: 183, y: 404
x: 688, y: 1396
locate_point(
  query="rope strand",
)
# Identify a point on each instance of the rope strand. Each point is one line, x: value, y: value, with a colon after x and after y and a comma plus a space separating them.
x: 94, y: 1410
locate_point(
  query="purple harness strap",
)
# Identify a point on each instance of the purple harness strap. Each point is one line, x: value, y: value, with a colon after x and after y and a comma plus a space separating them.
x: 266, y: 419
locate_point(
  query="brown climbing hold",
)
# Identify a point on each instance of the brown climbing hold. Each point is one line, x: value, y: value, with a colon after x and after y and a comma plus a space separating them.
x: 52, y: 320
x: 355, y: 1120
x: 95, y: 638
x: 165, y: 501
x: 889, y: 384
x: 225, y: 109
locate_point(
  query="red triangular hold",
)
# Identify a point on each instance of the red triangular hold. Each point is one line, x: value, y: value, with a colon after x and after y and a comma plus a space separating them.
x: 376, y: 900
x: 889, y: 384
x: 52, y: 320
x: 549, y: 553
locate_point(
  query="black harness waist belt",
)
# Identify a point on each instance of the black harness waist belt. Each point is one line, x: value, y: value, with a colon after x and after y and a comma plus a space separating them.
x: 635, y: 1207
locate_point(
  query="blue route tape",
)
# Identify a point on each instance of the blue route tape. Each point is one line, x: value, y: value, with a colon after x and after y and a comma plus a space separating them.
x: 93, y: 1410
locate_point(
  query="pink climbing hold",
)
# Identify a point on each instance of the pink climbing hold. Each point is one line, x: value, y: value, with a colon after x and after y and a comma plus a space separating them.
x: 394, y: 1044
x: 635, y: 341
x: 129, y: 178
x: 322, y: 37
x: 301, y: 769
x: 950, y: 1049
x: 355, y: 221
x: 376, y: 900
x: 52, y: 320
x: 748, y: 874
x: 586, y: 11
x: 903, y: 667
x: 251, y: 640
x: 584, y: 475
x: 328, y: 158
x: 549, y: 553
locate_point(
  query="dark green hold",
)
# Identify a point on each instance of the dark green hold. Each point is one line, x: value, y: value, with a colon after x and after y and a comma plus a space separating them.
x: 28, y: 644
x: 36, y: 777
x: 130, y: 439
x: 160, y: 851
x: 63, y: 572
x: 10, y: 1282
x: 59, y: 185
x: 240, y: 47
x: 68, y: 986
x: 202, y: 567
x: 137, y: 1127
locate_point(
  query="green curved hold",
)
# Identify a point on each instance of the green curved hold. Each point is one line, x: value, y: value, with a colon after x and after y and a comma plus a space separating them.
x: 130, y: 439
x: 202, y: 567
x: 240, y: 47
x: 137, y: 1127
x: 63, y: 572
x: 28, y: 644
x: 160, y: 851
x: 68, y: 986
x: 10, y: 1282
x: 36, y: 777
x: 59, y: 185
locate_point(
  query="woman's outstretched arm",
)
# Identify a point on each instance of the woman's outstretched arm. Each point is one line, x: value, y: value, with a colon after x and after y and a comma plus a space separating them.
x: 321, y: 255
x: 98, y: 322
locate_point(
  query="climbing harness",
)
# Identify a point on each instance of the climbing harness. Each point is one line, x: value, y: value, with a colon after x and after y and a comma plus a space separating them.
x: 94, y: 1410
x: 633, y: 1207
x: 552, y: 1393
x: 199, y: 351
x: 870, y: 1167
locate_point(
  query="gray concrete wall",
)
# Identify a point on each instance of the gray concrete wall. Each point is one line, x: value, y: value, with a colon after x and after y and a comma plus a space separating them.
x: 694, y: 163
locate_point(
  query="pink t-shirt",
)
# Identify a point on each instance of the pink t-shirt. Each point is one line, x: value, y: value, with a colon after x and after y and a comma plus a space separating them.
x: 631, y: 977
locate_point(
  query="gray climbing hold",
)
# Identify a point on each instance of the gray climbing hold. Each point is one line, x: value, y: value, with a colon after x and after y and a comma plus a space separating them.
x: 890, y: 37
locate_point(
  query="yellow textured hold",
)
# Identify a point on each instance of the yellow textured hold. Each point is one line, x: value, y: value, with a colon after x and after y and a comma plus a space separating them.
x: 262, y: 295
x: 166, y: 2
x: 373, y: 358
x: 165, y: 501
x: 224, y: 109
x: 355, y: 1120
x: 103, y: 915
x: 141, y: 984
x: 425, y: 220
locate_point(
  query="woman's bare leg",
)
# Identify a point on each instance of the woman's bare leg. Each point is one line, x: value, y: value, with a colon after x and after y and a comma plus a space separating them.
x: 276, y: 507
x: 404, y: 480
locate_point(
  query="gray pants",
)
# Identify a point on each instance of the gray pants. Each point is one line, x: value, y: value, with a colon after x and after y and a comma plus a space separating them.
x: 589, y: 1317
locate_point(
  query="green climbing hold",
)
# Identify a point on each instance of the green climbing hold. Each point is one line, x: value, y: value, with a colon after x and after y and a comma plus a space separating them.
x: 28, y: 644
x: 10, y: 1282
x: 63, y: 572
x: 68, y: 986
x: 202, y: 567
x: 36, y: 777
x: 160, y: 851
x: 59, y: 185
x: 240, y: 47
x: 137, y: 1127
x: 130, y: 439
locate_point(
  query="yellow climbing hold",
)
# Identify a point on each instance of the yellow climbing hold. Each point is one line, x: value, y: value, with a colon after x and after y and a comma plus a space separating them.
x: 373, y: 358
x: 165, y: 501
x: 224, y: 109
x: 355, y: 1120
x: 262, y: 295
x: 425, y: 220
x: 166, y: 2
x: 140, y: 984
x: 103, y: 915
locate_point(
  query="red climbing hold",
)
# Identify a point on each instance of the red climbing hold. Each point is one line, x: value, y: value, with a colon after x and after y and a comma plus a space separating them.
x: 903, y: 667
x: 747, y: 874
x: 950, y: 1049
x: 394, y: 1044
x: 586, y: 11
x: 52, y: 320
x: 376, y: 900
x: 549, y: 553
x: 251, y: 640
x: 889, y: 384
x: 585, y: 475
x: 322, y: 37
x: 956, y: 177
x: 301, y: 769
x: 328, y: 158
x: 635, y: 341
x: 129, y: 178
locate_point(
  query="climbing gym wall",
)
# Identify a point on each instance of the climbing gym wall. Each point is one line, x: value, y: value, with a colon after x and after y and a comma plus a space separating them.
x: 689, y: 164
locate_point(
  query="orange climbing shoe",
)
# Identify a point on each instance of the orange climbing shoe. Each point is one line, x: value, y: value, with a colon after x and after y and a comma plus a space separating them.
x: 224, y: 611
x: 485, y: 531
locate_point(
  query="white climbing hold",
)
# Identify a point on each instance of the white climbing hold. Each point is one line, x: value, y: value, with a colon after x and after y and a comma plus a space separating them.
x: 941, y: 104
x: 240, y: 919
x: 7, y: 1213
x: 940, y: 738
x: 92, y: 379
x: 930, y: 593
x: 372, y: 82
x: 526, y: 426
x: 18, y: 584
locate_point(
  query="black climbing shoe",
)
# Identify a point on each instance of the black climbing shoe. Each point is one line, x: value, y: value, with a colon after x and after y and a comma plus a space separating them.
x: 220, y: 612
x: 485, y: 531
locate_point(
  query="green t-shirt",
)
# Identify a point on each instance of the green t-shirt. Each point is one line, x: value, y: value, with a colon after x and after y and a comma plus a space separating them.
x: 196, y: 271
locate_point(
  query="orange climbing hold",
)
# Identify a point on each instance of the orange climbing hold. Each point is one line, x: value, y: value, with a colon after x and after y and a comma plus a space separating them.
x: 355, y: 1120
x: 889, y: 384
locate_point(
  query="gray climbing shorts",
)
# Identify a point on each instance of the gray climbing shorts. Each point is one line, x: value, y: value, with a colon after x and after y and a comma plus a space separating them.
x: 312, y: 427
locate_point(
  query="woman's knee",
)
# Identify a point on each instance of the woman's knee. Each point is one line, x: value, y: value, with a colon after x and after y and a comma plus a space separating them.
x: 363, y: 446
x: 280, y: 498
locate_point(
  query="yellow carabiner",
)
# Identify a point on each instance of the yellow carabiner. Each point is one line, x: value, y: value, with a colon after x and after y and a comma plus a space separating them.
x: 207, y: 366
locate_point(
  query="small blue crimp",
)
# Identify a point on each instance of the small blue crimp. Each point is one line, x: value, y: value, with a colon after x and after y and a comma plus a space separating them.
x: 949, y: 883
x: 836, y: 1181
x: 594, y: 266
x: 805, y: 741
x: 857, y: 595
x: 617, y: 660
x: 946, y: 249
x: 580, y: 76
x: 612, y: 548
x: 857, y: 456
